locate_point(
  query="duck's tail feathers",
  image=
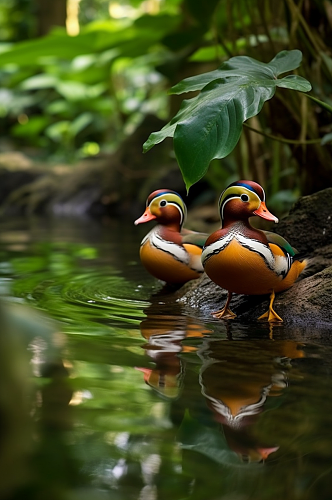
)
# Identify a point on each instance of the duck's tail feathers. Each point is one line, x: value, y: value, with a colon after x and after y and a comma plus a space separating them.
x: 301, y: 267
x: 301, y: 256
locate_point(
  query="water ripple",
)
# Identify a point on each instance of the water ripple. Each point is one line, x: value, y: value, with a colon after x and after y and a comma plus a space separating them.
x: 92, y: 295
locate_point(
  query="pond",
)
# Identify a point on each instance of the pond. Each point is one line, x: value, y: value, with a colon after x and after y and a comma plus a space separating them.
x: 111, y: 389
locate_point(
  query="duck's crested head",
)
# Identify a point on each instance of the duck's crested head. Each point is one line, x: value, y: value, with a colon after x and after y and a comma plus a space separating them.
x: 243, y: 199
x: 166, y: 206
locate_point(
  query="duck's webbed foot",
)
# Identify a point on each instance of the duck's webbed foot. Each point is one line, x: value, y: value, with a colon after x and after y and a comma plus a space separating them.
x: 225, y: 312
x: 271, y: 315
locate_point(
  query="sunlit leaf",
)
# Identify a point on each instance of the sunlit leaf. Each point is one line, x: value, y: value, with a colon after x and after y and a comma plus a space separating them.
x: 204, y: 54
x: 27, y: 53
x: 80, y: 123
x: 57, y: 107
x: 33, y: 127
x: 57, y: 130
x: 73, y: 91
x: 41, y: 81
x: 144, y: 32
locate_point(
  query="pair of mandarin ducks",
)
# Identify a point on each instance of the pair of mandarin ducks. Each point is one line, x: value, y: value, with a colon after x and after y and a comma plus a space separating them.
x: 237, y: 257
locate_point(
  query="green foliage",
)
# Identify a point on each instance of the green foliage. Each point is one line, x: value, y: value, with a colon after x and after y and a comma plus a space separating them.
x: 83, y: 296
x: 83, y: 89
x: 116, y: 72
x: 209, y: 125
x: 207, y: 441
x: 130, y: 41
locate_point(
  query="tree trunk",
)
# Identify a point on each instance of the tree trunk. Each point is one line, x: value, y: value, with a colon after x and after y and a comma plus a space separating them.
x: 49, y: 14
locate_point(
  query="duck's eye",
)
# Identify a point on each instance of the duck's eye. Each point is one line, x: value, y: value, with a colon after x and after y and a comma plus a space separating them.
x: 244, y: 197
x: 163, y: 203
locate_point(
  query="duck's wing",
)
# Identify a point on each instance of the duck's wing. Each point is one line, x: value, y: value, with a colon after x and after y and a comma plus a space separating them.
x: 276, y: 239
x: 193, y: 238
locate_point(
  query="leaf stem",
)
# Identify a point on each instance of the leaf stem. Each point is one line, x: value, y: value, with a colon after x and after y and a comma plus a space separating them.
x: 319, y: 102
x: 282, y: 139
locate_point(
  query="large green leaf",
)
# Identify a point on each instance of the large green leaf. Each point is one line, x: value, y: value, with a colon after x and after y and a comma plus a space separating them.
x: 209, y: 125
x: 197, y: 144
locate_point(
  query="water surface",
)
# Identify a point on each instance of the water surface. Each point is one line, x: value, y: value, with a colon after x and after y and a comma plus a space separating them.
x: 110, y: 389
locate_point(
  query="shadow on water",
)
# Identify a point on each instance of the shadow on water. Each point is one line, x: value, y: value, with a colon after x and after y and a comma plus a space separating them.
x: 109, y: 388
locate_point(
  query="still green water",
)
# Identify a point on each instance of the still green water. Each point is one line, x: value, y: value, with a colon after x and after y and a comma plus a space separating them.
x: 110, y: 389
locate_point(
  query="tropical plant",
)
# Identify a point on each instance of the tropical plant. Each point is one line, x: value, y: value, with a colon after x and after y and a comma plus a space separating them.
x: 209, y: 125
x: 86, y: 92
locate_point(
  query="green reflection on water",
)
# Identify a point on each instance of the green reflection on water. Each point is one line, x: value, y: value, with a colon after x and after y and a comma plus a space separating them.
x: 58, y: 282
x: 112, y: 390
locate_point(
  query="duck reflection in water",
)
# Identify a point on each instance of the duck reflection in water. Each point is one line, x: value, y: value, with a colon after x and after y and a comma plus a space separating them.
x: 238, y: 380
x: 164, y: 335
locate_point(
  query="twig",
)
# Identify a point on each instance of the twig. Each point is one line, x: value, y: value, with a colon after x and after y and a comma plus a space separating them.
x: 282, y: 139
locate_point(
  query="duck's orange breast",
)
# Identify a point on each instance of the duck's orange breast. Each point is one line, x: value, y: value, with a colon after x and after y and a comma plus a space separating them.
x: 173, y: 264
x: 241, y: 270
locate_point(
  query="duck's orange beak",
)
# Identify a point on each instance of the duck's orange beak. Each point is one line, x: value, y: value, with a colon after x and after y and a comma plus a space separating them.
x: 147, y: 372
x: 145, y: 217
x: 265, y: 452
x: 263, y: 212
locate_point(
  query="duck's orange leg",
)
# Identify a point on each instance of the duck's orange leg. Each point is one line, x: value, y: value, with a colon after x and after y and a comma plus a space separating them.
x: 225, y: 312
x: 271, y: 315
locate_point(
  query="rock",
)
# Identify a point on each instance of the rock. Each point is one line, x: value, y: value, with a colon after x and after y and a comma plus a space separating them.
x: 309, y: 228
x: 309, y: 223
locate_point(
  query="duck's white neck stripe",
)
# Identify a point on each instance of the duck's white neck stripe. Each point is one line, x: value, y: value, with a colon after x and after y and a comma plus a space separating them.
x: 179, y: 209
x: 178, y: 252
x: 225, y: 203
x: 258, y: 247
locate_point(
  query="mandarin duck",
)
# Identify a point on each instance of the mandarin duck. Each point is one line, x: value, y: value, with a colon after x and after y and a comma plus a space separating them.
x: 245, y: 260
x: 169, y: 252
